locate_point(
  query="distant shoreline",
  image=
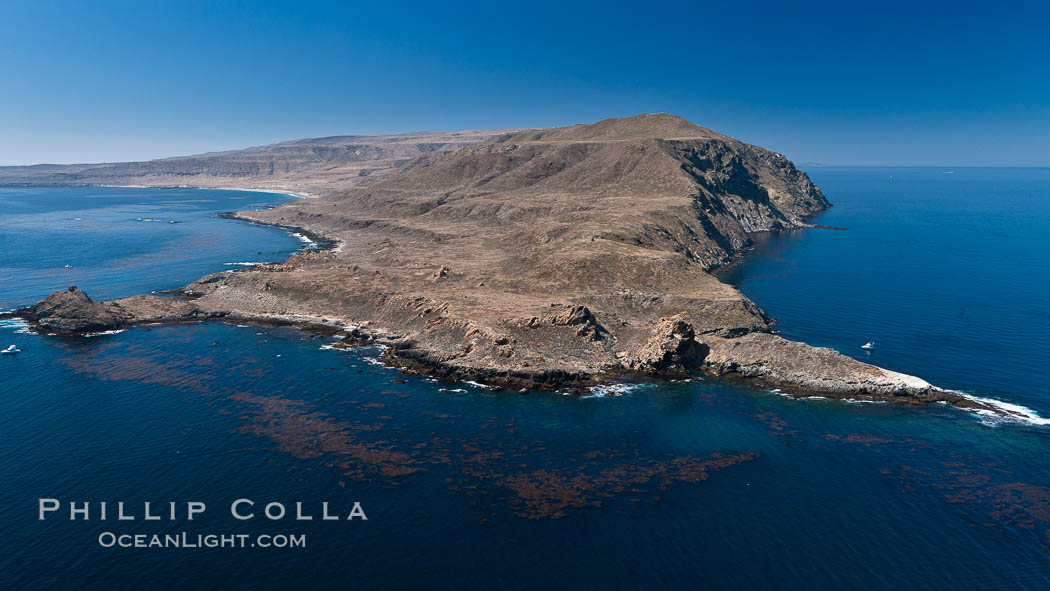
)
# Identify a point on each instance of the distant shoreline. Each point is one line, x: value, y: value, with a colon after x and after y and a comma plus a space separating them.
x: 296, y: 193
x: 293, y: 194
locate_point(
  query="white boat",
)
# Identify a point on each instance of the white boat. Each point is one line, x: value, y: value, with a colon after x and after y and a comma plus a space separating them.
x: 11, y: 349
x: 868, y: 345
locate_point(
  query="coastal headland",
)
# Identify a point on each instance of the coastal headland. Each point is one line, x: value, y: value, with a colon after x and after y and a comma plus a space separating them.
x: 531, y: 259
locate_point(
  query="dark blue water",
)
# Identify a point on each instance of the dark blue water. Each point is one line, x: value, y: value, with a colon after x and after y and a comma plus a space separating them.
x: 674, y: 485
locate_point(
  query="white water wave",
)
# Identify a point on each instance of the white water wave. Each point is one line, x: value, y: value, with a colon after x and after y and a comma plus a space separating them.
x: 374, y: 361
x: 20, y: 326
x: 1005, y: 412
x: 104, y: 332
x: 611, y: 390
x: 779, y: 392
x: 1008, y: 412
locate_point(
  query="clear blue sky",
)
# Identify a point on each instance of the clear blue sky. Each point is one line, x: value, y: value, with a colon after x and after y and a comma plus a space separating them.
x: 836, y: 83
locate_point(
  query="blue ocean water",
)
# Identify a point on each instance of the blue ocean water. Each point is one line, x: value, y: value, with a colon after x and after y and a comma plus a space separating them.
x: 672, y: 485
x: 946, y: 270
x: 119, y: 242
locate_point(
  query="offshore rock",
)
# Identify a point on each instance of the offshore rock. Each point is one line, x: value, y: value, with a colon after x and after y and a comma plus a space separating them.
x: 73, y: 311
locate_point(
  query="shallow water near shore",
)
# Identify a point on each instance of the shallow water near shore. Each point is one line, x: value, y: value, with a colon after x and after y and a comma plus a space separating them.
x: 671, y: 484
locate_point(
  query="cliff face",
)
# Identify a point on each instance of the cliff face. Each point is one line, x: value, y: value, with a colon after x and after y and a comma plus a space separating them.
x: 543, y: 258
x: 571, y: 202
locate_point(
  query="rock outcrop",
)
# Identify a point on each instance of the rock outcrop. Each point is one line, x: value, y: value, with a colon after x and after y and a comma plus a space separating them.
x: 72, y: 311
x: 672, y: 349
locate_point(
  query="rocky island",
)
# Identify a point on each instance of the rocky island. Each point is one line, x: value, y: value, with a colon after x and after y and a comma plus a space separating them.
x: 535, y: 259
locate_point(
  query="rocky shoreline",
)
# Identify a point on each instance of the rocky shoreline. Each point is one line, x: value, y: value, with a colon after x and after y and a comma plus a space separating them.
x: 545, y: 259
x: 677, y: 354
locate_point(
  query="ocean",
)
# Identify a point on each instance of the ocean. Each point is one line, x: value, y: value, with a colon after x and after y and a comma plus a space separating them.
x: 682, y: 484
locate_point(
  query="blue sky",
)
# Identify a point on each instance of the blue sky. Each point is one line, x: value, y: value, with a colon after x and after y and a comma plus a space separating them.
x: 836, y: 83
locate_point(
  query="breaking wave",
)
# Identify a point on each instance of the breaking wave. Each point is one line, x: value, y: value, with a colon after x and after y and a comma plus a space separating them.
x: 20, y: 326
x: 1008, y: 412
x: 611, y: 390
x: 104, y: 332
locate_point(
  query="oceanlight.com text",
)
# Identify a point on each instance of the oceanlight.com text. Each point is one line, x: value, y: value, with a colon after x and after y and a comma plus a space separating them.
x: 193, y: 541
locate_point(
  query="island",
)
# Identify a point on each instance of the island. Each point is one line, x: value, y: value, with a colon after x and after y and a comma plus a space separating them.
x: 539, y: 259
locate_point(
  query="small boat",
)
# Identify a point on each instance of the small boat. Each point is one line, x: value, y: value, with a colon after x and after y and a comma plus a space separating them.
x: 69, y: 266
x: 868, y: 345
x: 10, y: 350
